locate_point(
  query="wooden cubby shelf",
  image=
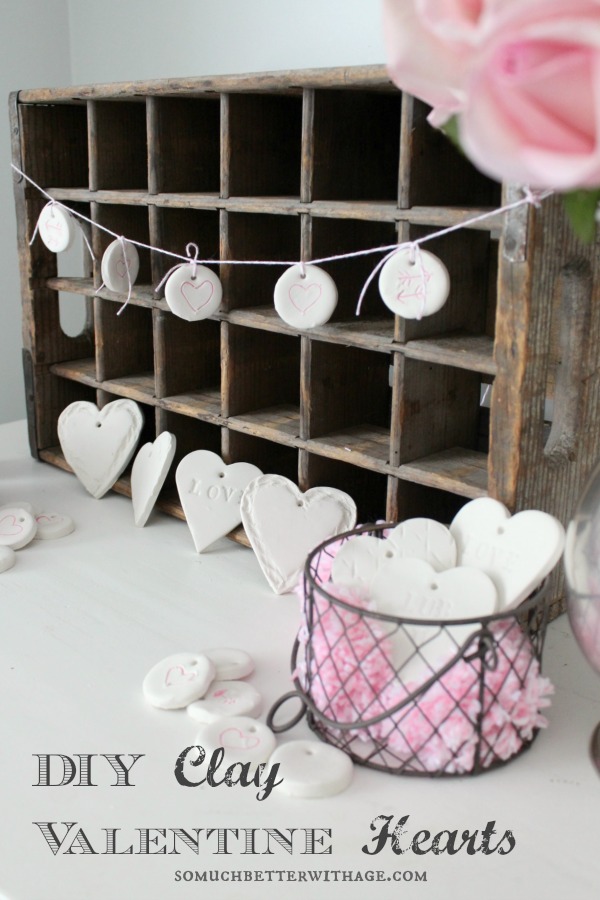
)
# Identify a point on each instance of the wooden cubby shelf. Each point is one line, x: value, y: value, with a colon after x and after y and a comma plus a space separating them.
x: 304, y: 165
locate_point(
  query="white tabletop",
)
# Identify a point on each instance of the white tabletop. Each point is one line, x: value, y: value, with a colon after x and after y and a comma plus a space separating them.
x: 83, y: 618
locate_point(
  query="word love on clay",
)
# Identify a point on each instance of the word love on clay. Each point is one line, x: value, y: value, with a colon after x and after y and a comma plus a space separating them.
x: 211, y: 494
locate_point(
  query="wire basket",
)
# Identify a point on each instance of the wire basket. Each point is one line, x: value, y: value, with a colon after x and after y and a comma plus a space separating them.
x: 414, y: 696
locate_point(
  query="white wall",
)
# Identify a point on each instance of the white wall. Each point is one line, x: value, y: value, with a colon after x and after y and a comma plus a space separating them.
x: 61, y: 42
x: 34, y: 52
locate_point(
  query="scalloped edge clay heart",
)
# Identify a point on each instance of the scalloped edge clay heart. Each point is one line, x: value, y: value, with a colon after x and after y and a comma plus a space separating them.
x: 98, y: 444
x: 284, y: 525
x: 150, y: 468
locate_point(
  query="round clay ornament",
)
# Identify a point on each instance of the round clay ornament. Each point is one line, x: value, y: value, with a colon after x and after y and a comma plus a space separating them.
x: 120, y: 266
x: 243, y: 739
x: 17, y: 527
x: 51, y: 526
x: 305, y: 296
x: 178, y: 680
x: 226, y: 698
x: 193, y: 292
x: 413, y: 283
x: 312, y: 769
x: 20, y: 504
x: 56, y: 228
x: 7, y: 558
x: 230, y: 663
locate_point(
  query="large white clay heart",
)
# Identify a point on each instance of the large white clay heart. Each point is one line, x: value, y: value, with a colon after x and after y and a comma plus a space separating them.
x: 284, y: 525
x: 359, y: 559
x: 412, y: 589
x: 98, y: 444
x: 516, y: 552
x: 211, y: 493
x: 150, y: 468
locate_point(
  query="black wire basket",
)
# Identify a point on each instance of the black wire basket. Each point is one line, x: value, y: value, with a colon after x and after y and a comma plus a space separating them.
x: 375, y: 686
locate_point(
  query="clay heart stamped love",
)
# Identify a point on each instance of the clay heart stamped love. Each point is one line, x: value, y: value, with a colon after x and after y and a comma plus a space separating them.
x: 516, y: 552
x: 284, y: 525
x: 150, y: 468
x: 412, y: 589
x: 359, y: 559
x: 193, y: 292
x: 98, y: 444
x: 211, y: 493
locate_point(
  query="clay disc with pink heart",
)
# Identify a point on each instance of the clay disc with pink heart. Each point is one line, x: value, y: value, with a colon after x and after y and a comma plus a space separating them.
x: 178, y: 680
x: 193, y: 292
x: 305, y: 296
x: 17, y: 527
x: 243, y: 739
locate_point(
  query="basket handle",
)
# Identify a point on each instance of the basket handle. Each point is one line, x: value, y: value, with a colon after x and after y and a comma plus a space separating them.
x: 278, y: 729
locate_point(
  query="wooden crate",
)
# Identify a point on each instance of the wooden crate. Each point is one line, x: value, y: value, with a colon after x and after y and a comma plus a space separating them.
x: 309, y: 164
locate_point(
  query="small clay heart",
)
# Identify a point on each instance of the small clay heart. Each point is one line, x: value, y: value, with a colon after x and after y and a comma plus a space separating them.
x: 197, y: 295
x: 304, y: 298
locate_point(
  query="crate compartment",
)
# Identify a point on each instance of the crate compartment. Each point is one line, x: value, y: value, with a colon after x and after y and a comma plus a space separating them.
x: 174, y: 229
x: 263, y: 145
x: 189, y: 370
x: 118, y: 145
x: 62, y: 128
x: 191, y: 435
x: 368, y: 489
x: 256, y: 237
x: 331, y: 237
x: 125, y: 354
x: 356, y: 145
x: 349, y: 411
x: 273, y: 459
x: 132, y: 223
x: 261, y: 382
x: 184, y: 144
x: 436, y: 173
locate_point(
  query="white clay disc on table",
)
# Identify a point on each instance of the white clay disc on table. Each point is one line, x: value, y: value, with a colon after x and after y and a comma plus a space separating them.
x: 17, y: 527
x: 56, y: 228
x: 178, y: 680
x: 308, y: 301
x: 193, y: 292
x: 312, y: 769
x: 230, y: 663
x: 224, y: 699
x: 414, y: 284
x: 150, y: 468
x: 7, y: 558
x: 243, y: 739
x: 116, y: 265
x: 51, y: 526
x: 517, y: 552
x: 98, y: 444
x: 211, y: 494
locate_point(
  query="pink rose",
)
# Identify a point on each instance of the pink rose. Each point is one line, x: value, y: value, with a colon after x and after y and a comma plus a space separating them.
x: 429, y: 44
x: 532, y: 110
x: 523, y: 76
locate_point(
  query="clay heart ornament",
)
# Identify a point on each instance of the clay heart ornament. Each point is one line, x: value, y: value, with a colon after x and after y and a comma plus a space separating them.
x: 98, y: 444
x: 51, y: 526
x: 211, y: 493
x: 225, y: 699
x: 197, y: 295
x: 242, y: 738
x: 516, y: 552
x: 305, y: 296
x: 283, y: 525
x: 234, y: 739
x: 193, y: 292
x: 120, y: 266
x: 150, y: 468
x: 359, y: 558
x: 412, y: 589
x: 178, y: 680
x: 17, y: 527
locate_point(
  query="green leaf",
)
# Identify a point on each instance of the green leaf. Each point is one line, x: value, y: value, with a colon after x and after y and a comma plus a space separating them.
x: 581, y: 208
x: 450, y: 129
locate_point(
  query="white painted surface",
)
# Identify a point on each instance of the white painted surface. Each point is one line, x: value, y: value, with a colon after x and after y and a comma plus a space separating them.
x: 81, y: 622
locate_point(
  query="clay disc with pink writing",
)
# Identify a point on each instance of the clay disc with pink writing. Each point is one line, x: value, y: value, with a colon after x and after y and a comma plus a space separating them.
x: 414, y: 283
x: 120, y: 266
x: 193, y: 292
x: 243, y: 739
x: 51, y: 525
x: 305, y: 298
x: 178, y: 680
x: 56, y: 228
x: 17, y: 527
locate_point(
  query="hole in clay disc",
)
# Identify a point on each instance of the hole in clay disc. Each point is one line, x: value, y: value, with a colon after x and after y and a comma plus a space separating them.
x: 388, y: 554
x: 221, y: 474
x: 98, y: 424
x: 434, y: 587
x: 500, y: 530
